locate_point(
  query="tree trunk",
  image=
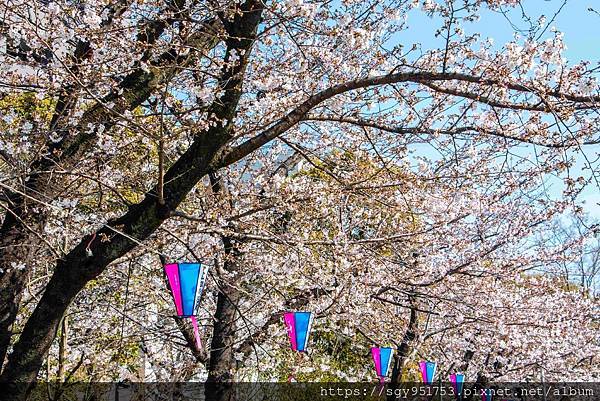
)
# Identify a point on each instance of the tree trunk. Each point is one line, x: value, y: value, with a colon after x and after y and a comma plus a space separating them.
x: 222, y: 362
x: 403, y: 351
x: 221, y: 367
x: 18, y: 245
x: 30, y: 350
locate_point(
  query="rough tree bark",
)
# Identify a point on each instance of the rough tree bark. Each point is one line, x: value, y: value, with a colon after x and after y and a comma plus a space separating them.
x: 221, y: 363
x: 221, y: 366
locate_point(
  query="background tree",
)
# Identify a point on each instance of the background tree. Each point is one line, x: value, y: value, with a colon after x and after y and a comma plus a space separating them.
x: 580, y: 262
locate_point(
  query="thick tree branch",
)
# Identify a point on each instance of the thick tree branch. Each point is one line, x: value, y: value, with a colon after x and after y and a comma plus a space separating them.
x: 450, y: 132
x: 297, y: 114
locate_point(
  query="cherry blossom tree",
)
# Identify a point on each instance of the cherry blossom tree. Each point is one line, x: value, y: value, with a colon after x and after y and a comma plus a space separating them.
x: 482, y: 304
x: 134, y: 130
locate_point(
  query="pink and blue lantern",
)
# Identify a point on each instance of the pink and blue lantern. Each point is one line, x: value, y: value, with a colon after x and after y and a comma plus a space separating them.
x: 187, y: 283
x: 427, y: 371
x: 382, y: 357
x: 486, y: 395
x: 457, y: 380
x: 298, y: 326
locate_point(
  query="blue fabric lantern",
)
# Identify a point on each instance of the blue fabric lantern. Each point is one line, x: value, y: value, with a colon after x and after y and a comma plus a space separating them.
x: 382, y: 357
x: 427, y: 371
x: 458, y: 381
x: 298, y: 326
x: 187, y: 282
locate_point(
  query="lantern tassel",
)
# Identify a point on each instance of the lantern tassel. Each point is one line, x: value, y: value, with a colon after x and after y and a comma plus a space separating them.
x: 381, y: 385
x: 196, y: 332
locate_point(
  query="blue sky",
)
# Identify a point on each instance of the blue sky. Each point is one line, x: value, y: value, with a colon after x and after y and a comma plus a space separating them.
x: 581, y: 28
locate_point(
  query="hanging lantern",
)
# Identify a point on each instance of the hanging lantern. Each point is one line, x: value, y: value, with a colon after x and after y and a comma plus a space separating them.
x: 382, y: 357
x: 187, y: 283
x: 298, y: 328
x: 458, y: 381
x: 427, y: 371
x: 486, y: 395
